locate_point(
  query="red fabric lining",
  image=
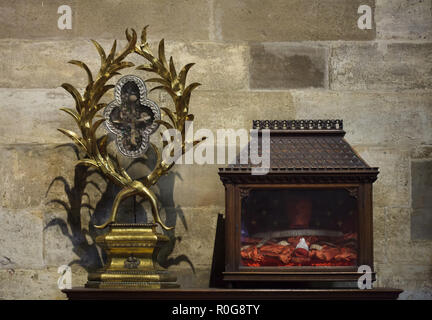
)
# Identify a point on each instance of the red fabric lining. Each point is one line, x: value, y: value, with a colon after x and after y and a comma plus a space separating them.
x: 273, y: 254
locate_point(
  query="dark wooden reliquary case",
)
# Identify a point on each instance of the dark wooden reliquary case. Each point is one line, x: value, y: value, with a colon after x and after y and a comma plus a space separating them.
x: 317, y: 189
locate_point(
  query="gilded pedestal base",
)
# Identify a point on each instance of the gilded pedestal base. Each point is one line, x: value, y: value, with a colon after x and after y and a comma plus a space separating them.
x: 132, y: 250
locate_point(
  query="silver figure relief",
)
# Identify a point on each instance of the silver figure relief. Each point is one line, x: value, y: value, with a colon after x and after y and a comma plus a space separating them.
x: 131, y: 117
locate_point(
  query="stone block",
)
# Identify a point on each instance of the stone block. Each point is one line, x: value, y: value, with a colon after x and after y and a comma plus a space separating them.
x: 421, y: 190
x: 423, y: 292
x: 45, y: 177
x: 29, y: 19
x: 407, y: 121
x: 287, y: 66
x: 289, y: 20
x: 21, y: 244
x: 379, y: 234
x: 43, y: 63
x: 397, y: 225
x: 380, y: 66
x: 218, y: 66
x: 421, y: 175
x: 235, y: 110
x: 181, y: 20
x: 28, y: 170
x: 191, y: 242
x: 106, y: 19
x: 421, y: 152
x: 404, y: 19
x: 400, y: 249
x: 28, y: 284
x: 192, y: 185
x: 421, y: 224
x: 392, y: 186
x: 33, y: 116
x: 413, y: 279
x: 70, y: 241
x: 193, y: 238
x: 187, y: 278
x: 34, y: 171
x: 188, y: 185
x: 414, y: 252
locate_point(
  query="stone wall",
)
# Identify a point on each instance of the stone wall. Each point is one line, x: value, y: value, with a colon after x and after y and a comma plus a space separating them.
x: 276, y: 59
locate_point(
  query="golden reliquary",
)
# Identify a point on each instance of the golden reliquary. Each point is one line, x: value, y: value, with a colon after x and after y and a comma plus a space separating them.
x: 131, y: 118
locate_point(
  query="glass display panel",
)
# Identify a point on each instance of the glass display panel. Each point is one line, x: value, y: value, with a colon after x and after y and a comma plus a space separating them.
x: 299, y: 227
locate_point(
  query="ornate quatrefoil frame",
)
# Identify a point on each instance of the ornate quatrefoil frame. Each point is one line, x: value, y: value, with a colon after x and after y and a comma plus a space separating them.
x: 144, y: 103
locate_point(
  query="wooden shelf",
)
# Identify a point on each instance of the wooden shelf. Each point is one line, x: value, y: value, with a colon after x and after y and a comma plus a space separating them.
x: 231, y: 294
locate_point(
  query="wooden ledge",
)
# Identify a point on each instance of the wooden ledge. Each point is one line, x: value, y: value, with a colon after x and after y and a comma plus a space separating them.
x: 232, y: 294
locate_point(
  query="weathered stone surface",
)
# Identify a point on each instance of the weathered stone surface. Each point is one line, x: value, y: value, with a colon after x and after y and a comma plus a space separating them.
x: 381, y: 66
x: 287, y: 66
x: 379, y: 234
x: 403, y: 19
x: 57, y: 240
x: 236, y: 110
x: 20, y: 239
x: 218, y: 66
x: 81, y: 192
x: 28, y: 19
x: 419, y: 293
x: 414, y: 279
x: 192, y: 185
x: 421, y: 152
x: 388, y: 128
x: 392, y: 244
x: 188, y: 278
x: 33, y: 116
x: 28, y: 171
x: 23, y: 166
x: 399, y: 247
x: 105, y: 19
x: 171, y: 20
x: 421, y: 190
x: 407, y: 117
x: 195, y: 235
x: 421, y: 224
x: 43, y: 63
x: 42, y: 284
x: 35, y: 284
x: 421, y: 174
x: 392, y: 186
x: 397, y: 225
x: 191, y: 247
x: 289, y: 20
x: 70, y: 240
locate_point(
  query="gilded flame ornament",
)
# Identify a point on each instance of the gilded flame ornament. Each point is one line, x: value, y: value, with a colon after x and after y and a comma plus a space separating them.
x: 87, y: 107
x: 132, y: 118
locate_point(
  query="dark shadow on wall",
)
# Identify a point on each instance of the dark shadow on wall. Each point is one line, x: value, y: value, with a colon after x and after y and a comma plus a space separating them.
x: 77, y: 201
x: 166, y: 194
x: 218, y: 260
x: 131, y: 210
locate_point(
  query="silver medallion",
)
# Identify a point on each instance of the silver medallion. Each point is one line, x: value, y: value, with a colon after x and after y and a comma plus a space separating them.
x: 131, y: 117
